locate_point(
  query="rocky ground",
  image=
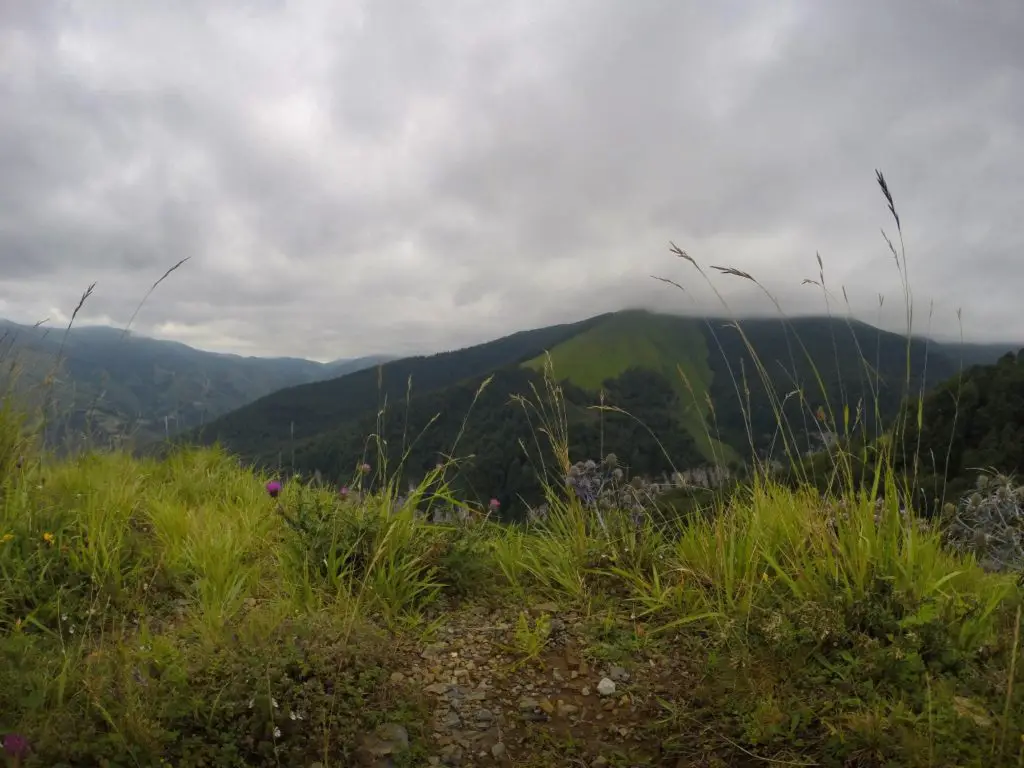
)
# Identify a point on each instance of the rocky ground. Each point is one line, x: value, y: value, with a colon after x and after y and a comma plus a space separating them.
x: 540, y: 697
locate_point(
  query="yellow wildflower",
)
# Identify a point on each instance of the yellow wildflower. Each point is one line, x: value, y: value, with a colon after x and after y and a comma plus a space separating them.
x: 6, y: 537
x: 48, y: 537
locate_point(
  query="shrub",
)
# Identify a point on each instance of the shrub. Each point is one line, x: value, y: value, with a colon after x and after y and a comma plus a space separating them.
x: 989, y: 524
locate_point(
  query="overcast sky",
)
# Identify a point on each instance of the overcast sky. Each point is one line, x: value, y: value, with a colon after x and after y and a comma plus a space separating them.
x: 401, y: 176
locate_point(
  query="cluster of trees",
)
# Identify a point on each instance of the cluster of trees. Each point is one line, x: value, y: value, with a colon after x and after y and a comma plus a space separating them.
x: 970, y: 424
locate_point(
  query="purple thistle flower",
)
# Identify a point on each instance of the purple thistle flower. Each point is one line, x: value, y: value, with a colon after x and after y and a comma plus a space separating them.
x: 494, y: 504
x: 273, y: 488
x: 638, y: 518
x: 343, y: 491
x: 15, y: 746
x: 586, y: 494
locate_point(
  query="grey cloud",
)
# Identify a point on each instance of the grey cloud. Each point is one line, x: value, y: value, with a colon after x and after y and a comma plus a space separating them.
x: 386, y: 176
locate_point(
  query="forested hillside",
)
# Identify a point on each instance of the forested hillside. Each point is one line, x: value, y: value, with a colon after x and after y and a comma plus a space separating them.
x: 269, y: 425
x: 693, y: 384
x: 970, y: 424
x: 102, y: 384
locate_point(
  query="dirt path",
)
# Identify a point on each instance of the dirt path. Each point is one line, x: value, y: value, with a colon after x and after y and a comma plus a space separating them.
x: 493, y: 706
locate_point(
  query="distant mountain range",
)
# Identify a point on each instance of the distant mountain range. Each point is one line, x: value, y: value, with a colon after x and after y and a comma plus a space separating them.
x: 694, y: 392
x: 692, y: 382
x: 110, y: 384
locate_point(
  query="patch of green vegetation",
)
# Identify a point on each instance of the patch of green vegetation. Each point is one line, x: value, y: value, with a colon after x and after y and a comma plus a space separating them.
x: 675, y: 347
x: 174, y: 610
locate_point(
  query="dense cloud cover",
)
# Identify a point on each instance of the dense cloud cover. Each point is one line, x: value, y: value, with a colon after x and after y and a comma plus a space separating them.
x: 399, y: 176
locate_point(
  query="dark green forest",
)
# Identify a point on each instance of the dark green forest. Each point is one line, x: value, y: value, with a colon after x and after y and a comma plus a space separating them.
x: 970, y: 424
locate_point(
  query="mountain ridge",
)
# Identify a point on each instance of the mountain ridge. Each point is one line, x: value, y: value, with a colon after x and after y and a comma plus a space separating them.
x: 678, y: 370
x: 110, y: 383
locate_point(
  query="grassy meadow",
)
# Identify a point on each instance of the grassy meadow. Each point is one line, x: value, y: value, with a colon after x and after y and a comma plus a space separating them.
x: 676, y: 348
x: 190, y: 611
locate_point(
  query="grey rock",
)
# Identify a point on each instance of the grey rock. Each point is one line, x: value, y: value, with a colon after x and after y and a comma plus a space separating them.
x: 376, y: 749
x: 452, y: 755
x: 433, y: 651
x: 606, y: 687
x: 565, y: 710
x: 527, y: 704
x: 450, y: 720
x: 618, y: 674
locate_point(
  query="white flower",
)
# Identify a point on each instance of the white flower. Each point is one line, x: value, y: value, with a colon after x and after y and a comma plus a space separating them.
x: 277, y: 733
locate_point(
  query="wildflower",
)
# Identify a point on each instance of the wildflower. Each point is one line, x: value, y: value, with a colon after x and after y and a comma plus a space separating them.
x: 343, y: 491
x: 364, y: 468
x: 15, y: 746
x: 48, y: 537
x: 6, y: 537
x: 494, y: 504
x: 277, y: 733
x: 273, y: 488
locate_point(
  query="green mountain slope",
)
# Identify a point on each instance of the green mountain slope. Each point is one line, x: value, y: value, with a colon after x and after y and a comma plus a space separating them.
x: 110, y: 384
x: 271, y: 424
x: 833, y: 362
x: 662, y: 369
x: 672, y: 346
x: 970, y: 424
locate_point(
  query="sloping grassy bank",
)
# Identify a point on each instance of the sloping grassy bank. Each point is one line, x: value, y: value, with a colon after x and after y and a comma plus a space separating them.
x: 175, y: 613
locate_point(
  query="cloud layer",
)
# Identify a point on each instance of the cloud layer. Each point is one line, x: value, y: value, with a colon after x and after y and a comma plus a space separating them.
x: 390, y: 176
